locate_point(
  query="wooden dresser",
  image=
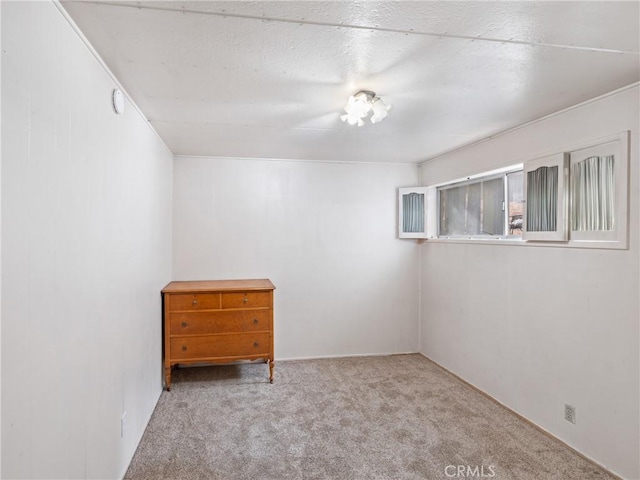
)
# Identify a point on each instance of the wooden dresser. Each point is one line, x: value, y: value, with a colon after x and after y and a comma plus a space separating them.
x: 217, y: 321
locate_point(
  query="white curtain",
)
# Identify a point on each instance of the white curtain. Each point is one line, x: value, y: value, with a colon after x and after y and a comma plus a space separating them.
x: 542, y: 199
x: 413, y: 213
x: 592, y: 194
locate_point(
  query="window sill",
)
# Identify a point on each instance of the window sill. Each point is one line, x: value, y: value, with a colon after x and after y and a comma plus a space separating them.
x: 476, y: 240
x: 604, y: 245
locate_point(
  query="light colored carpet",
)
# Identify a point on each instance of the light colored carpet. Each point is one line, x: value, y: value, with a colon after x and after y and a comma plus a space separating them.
x: 391, y: 418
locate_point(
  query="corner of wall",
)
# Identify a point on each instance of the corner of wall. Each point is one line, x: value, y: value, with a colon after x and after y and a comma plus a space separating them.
x: 0, y: 245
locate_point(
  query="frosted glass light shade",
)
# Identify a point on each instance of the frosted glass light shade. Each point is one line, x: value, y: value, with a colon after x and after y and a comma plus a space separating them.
x: 379, y: 110
x: 359, y: 106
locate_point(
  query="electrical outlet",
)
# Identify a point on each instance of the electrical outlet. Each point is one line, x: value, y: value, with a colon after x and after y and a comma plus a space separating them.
x: 123, y: 422
x: 569, y: 413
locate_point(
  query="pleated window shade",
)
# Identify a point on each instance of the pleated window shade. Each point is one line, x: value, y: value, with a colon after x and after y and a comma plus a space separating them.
x: 413, y: 213
x: 542, y: 199
x: 476, y: 208
x: 546, y: 198
x: 593, y: 194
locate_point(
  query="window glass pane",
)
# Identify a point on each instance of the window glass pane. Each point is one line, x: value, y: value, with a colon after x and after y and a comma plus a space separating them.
x: 451, y: 211
x: 493, y: 207
x: 413, y: 213
x: 472, y: 225
x: 515, y: 200
x: 593, y: 194
x: 454, y: 216
x: 472, y: 209
x: 542, y: 199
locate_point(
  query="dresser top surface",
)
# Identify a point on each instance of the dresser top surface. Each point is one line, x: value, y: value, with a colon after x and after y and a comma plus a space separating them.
x: 218, y: 285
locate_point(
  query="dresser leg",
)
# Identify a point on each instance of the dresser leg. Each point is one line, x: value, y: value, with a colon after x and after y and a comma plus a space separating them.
x: 167, y: 378
x: 271, y: 365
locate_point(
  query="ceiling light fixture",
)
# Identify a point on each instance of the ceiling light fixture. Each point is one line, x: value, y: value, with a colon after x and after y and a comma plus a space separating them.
x: 359, y: 106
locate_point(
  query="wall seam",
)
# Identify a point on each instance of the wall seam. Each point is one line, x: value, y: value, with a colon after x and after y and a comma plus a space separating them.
x: 295, y: 160
x: 420, y: 248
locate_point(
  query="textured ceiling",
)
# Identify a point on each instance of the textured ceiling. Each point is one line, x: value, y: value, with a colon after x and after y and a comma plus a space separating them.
x: 269, y: 79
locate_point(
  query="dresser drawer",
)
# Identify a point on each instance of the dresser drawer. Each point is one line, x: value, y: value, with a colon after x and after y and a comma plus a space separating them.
x: 234, y: 321
x: 246, y: 300
x: 194, y: 301
x: 211, y: 346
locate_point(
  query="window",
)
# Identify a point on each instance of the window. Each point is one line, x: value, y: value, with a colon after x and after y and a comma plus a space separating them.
x: 489, y: 205
x: 578, y: 197
x: 599, y: 194
x: 412, y: 212
x: 515, y: 201
x: 545, y: 214
x: 593, y: 194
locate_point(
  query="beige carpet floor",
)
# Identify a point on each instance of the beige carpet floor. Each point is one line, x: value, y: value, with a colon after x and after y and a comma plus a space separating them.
x: 388, y: 418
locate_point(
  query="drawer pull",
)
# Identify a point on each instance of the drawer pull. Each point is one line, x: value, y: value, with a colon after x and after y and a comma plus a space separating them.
x: 256, y: 344
x: 255, y: 321
x: 184, y: 325
x: 184, y: 348
x: 245, y: 300
x: 195, y: 302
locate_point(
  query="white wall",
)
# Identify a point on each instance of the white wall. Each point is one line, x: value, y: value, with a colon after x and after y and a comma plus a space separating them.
x: 86, y: 246
x: 0, y: 244
x: 538, y: 327
x: 324, y: 233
